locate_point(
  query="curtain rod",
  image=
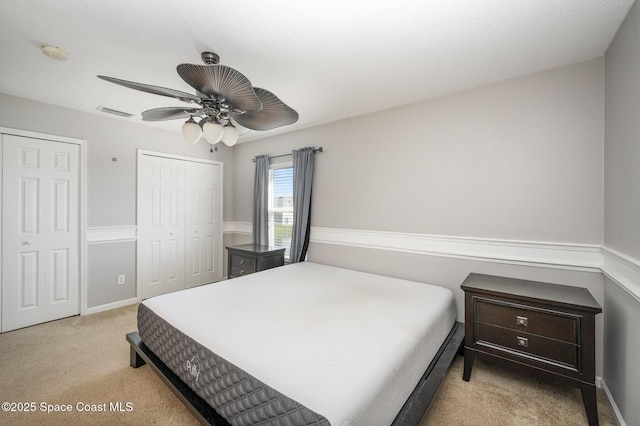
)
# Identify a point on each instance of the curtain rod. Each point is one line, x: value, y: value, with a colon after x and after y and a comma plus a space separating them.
x: 284, y: 155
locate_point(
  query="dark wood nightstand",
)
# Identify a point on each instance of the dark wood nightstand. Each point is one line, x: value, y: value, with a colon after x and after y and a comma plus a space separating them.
x: 249, y: 258
x: 543, y: 328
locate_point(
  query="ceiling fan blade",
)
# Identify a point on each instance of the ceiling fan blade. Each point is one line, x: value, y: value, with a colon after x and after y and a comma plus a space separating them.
x: 168, y: 113
x: 220, y: 81
x: 156, y: 90
x: 274, y: 113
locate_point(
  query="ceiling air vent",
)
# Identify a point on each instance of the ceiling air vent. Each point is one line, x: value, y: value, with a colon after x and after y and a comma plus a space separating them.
x: 114, y: 111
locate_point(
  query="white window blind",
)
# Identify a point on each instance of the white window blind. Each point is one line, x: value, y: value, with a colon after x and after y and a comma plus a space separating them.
x: 281, y: 206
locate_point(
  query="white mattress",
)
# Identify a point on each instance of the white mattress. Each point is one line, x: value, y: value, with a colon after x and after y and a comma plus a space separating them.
x: 348, y: 345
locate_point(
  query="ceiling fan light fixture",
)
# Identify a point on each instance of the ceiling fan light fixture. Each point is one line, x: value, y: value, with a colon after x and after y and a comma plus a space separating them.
x: 212, y: 131
x: 191, y: 131
x: 230, y: 134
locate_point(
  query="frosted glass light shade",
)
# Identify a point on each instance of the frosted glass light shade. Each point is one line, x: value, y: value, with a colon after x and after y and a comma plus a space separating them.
x: 212, y: 132
x: 191, y: 131
x: 230, y: 135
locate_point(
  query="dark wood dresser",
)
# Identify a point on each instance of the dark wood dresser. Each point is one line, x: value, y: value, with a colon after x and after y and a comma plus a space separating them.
x: 543, y: 328
x: 249, y: 258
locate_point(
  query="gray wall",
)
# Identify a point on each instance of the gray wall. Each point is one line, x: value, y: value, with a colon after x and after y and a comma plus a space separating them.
x: 111, y: 185
x: 622, y: 213
x: 104, y: 263
x: 520, y: 159
x: 622, y: 139
x: 622, y: 346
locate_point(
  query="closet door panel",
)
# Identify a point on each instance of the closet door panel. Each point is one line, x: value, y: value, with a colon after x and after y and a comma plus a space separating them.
x: 160, y: 225
x: 179, y: 224
x: 62, y: 218
x: 203, y: 224
x: 40, y: 259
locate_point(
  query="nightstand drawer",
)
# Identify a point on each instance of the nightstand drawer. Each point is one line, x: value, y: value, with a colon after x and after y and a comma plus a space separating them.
x: 245, y: 262
x: 531, y: 344
x: 238, y: 271
x: 555, y: 325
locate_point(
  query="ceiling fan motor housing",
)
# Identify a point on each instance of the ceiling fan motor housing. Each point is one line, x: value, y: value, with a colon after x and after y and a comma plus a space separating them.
x: 210, y: 58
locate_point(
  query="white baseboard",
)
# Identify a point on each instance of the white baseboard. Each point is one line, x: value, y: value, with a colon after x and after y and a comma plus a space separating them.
x: 616, y: 412
x: 109, y: 306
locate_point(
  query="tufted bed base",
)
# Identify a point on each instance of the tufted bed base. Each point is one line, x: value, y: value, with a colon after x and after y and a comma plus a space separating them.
x: 410, y: 415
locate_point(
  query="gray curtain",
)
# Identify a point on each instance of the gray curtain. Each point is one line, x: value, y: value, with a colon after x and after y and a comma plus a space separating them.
x: 261, y: 201
x: 302, y: 179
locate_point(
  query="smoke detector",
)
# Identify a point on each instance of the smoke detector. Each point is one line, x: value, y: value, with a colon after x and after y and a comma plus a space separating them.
x: 54, y: 52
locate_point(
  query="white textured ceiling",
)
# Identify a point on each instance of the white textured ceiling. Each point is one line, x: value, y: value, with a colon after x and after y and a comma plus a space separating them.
x: 328, y: 60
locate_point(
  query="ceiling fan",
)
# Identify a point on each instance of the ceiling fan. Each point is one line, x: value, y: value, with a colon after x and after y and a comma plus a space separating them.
x: 222, y: 94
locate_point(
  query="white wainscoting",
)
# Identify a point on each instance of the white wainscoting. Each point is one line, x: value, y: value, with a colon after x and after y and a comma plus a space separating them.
x: 113, y: 234
x: 244, y: 228
x: 117, y: 234
x: 582, y: 257
x: 623, y: 270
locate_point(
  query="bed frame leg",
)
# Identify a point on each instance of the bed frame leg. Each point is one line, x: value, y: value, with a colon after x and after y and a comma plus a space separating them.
x: 135, y: 360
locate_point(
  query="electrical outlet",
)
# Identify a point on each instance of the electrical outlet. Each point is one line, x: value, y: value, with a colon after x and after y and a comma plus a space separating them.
x: 120, y: 279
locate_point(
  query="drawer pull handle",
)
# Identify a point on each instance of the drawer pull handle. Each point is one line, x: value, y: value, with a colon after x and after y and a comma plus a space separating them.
x: 522, y: 320
x: 523, y: 341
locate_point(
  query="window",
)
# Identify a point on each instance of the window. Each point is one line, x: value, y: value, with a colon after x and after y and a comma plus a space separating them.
x: 281, y: 206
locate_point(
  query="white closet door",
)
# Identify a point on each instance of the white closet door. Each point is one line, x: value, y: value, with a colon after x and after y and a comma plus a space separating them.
x: 160, y: 225
x: 203, y: 260
x: 40, y: 260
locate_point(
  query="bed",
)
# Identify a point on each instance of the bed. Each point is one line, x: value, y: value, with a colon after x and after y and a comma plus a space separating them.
x: 302, y: 344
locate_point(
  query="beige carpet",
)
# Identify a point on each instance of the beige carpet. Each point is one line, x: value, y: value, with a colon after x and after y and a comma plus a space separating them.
x: 84, y: 362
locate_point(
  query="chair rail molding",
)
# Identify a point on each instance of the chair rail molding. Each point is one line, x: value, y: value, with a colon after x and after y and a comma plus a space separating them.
x: 111, y: 234
x: 583, y: 257
x: 245, y: 228
x: 118, y: 234
x: 620, y: 268
x: 623, y: 270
